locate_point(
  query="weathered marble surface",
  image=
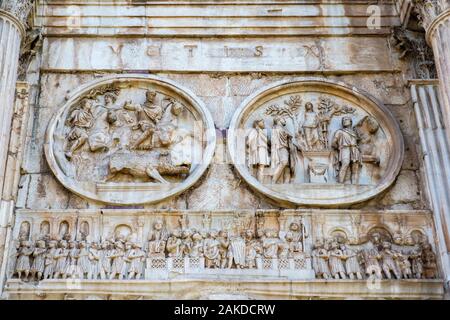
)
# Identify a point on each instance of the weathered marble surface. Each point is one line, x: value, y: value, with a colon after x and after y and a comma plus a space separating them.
x: 220, y: 289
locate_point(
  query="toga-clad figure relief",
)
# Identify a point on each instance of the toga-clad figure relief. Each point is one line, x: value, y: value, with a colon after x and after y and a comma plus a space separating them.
x: 130, y: 141
x: 316, y: 145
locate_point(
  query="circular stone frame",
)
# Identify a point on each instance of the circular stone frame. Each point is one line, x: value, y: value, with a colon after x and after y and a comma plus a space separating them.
x: 342, y: 90
x: 184, y: 93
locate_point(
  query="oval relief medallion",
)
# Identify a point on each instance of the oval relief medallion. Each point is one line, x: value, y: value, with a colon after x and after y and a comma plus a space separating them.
x: 314, y: 142
x: 130, y: 140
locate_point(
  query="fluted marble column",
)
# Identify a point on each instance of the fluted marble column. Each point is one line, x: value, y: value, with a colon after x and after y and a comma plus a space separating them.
x: 436, y: 158
x: 11, y: 33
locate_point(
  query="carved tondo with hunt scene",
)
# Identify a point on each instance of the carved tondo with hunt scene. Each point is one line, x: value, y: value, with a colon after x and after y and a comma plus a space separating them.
x: 129, y: 141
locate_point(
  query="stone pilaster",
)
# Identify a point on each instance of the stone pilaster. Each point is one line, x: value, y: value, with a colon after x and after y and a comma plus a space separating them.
x: 11, y: 33
x: 12, y: 172
x: 436, y: 156
x: 434, y: 16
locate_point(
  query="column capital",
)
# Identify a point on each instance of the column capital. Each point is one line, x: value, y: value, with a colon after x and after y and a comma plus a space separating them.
x: 431, y: 13
x: 8, y: 16
x: 18, y: 9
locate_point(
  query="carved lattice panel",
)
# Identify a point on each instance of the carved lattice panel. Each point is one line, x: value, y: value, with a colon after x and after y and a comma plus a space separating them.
x: 300, y: 264
x: 283, y: 264
x: 195, y: 263
x: 178, y: 263
x: 158, y: 263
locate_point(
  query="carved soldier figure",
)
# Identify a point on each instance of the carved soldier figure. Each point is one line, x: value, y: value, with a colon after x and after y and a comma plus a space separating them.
x: 236, y: 252
x: 299, y: 233
x: 404, y: 266
x: 295, y: 247
x: 310, y: 129
x: 270, y: 244
x: 252, y: 249
x: 366, y: 129
x: 197, y: 245
x: 280, y: 142
x: 224, y: 249
x: 38, y: 267
x: 118, y: 263
x: 285, y: 246
x: 23, y: 264
x: 157, y: 240
x: 416, y: 263
x: 345, y: 141
x: 297, y: 230
x: 173, y: 245
x: 61, y: 257
x: 429, y: 262
x: 336, y: 261
x: 375, y: 239
x: 211, y: 250
x: 110, y: 99
x: 258, y: 149
x: 320, y: 260
x: 389, y: 261
x: 50, y: 260
x: 81, y: 120
x: 94, y: 261
x: 148, y: 116
x: 372, y: 264
x: 72, y: 268
x: 105, y: 252
x: 352, y: 265
x: 186, y: 245
x: 84, y: 265
x: 126, y: 260
x: 136, y: 256
x: 99, y: 137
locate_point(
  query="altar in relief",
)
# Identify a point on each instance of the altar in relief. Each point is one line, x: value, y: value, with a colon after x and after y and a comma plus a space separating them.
x: 313, y: 142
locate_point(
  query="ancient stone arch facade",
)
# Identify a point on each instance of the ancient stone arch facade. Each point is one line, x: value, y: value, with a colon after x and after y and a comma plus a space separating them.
x: 296, y: 156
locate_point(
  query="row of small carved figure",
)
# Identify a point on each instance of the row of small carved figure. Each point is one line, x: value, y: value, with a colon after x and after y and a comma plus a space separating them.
x: 72, y: 259
x: 380, y: 260
x: 121, y: 259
